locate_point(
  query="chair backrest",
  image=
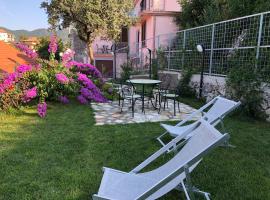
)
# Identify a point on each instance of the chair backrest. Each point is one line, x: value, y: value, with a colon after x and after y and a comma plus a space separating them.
x: 165, y: 81
x: 205, y: 138
x: 127, y: 90
x: 219, y: 109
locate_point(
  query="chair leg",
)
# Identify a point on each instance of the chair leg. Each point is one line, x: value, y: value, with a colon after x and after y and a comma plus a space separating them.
x: 159, y: 99
x: 189, y: 184
x: 165, y: 99
x: 119, y: 99
x: 133, y: 103
x: 174, y: 112
x: 183, y: 188
x: 122, y: 104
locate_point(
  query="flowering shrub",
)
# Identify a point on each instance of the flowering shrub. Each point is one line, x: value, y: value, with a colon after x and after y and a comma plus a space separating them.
x: 53, y: 44
x: 62, y: 78
x: 29, y: 52
x: 51, y: 80
x: 67, y: 56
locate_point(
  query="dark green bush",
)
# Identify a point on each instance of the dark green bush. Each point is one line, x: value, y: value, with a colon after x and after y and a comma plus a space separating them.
x: 244, y: 84
x: 126, y: 71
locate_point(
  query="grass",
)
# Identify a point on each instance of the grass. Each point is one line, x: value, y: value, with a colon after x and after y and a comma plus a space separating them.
x: 61, y: 156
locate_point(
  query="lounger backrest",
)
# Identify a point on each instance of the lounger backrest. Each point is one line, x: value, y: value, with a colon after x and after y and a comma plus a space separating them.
x: 203, y: 136
x: 220, y: 108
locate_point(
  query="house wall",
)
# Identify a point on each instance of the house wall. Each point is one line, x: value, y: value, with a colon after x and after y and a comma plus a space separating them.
x: 4, y: 37
x: 156, y: 24
x: 172, y: 5
x: 165, y: 25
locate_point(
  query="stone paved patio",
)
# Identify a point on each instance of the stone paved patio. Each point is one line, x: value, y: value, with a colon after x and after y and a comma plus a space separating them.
x: 110, y: 113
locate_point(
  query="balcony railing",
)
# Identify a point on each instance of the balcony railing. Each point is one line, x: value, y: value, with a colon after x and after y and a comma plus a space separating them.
x: 152, y: 6
x: 120, y: 47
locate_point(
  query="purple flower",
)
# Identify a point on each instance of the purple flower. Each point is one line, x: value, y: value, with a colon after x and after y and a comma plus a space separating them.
x: 86, y: 81
x: 62, y: 78
x: 87, y: 69
x: 53, y: 44
x: 23, y: 68
x: 30, y: 94
x: 64, y: 99
x: 86, y: 93
x: 29, y: 52
x: 82, y: 100
x: 42, y: 109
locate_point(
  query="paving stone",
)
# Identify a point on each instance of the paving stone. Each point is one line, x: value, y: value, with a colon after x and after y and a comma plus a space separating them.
x: 110, y: 113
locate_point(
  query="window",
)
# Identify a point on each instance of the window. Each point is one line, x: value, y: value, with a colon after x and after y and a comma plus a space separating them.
x: 143, y: 5
x: 124, y: 35
x: 143, y: 33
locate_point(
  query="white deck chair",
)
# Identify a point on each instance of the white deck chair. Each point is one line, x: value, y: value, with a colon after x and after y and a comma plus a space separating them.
x: 118, y: 185
x: 218, y: 107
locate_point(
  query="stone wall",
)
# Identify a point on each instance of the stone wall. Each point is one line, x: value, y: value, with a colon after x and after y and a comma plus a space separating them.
x: 214, y: 86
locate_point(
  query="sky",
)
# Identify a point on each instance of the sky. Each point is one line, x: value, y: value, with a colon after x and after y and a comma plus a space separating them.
x: 22, y: 14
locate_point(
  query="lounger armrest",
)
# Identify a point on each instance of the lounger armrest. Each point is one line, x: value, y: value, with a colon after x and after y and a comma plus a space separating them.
x: 163, y: 150
x: 192, y: 115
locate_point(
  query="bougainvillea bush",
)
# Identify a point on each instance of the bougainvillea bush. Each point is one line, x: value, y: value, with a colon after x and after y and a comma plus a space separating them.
x: 50, y: 80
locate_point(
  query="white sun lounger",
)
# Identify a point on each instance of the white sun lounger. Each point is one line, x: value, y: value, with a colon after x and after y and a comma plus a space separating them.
x: 219, y: 107
x: 175, y: 174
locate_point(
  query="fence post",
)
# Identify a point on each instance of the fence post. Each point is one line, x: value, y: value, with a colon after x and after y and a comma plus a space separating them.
x: 212, y: 49
x: 183, y: 50
x: 169, y: 55
x: 158, y: 41
x: 259, y: 40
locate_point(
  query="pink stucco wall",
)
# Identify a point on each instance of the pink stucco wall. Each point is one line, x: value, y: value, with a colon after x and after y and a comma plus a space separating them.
x: 156, y: 24
x: 172, y: 5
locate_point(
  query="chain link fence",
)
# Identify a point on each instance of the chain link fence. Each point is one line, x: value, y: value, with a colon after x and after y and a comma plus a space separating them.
x: 231, y: 43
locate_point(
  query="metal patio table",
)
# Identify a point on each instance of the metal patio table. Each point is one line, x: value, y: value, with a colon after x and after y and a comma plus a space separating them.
x: 144, y: 82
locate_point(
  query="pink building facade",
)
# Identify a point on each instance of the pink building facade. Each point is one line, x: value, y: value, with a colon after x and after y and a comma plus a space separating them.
x: 155, y: 18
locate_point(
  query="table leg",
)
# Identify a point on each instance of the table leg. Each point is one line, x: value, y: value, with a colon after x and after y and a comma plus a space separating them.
x: 143, y: 98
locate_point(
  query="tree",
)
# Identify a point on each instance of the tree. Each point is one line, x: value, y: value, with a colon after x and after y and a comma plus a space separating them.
x: 91, y: 18
x: 201, y: 12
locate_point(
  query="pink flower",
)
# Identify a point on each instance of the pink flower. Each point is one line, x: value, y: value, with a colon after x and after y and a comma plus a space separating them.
x: 67, y: 56
x: 53, y: 44
x: 29, y: 52
x: 30, y: 94
x: 62, y: 78
x: 42, y: 109
x: 8, y: 82
x: 23, y: 68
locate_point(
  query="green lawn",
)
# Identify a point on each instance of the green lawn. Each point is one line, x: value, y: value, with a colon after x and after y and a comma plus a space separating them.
x: 61, y: 157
